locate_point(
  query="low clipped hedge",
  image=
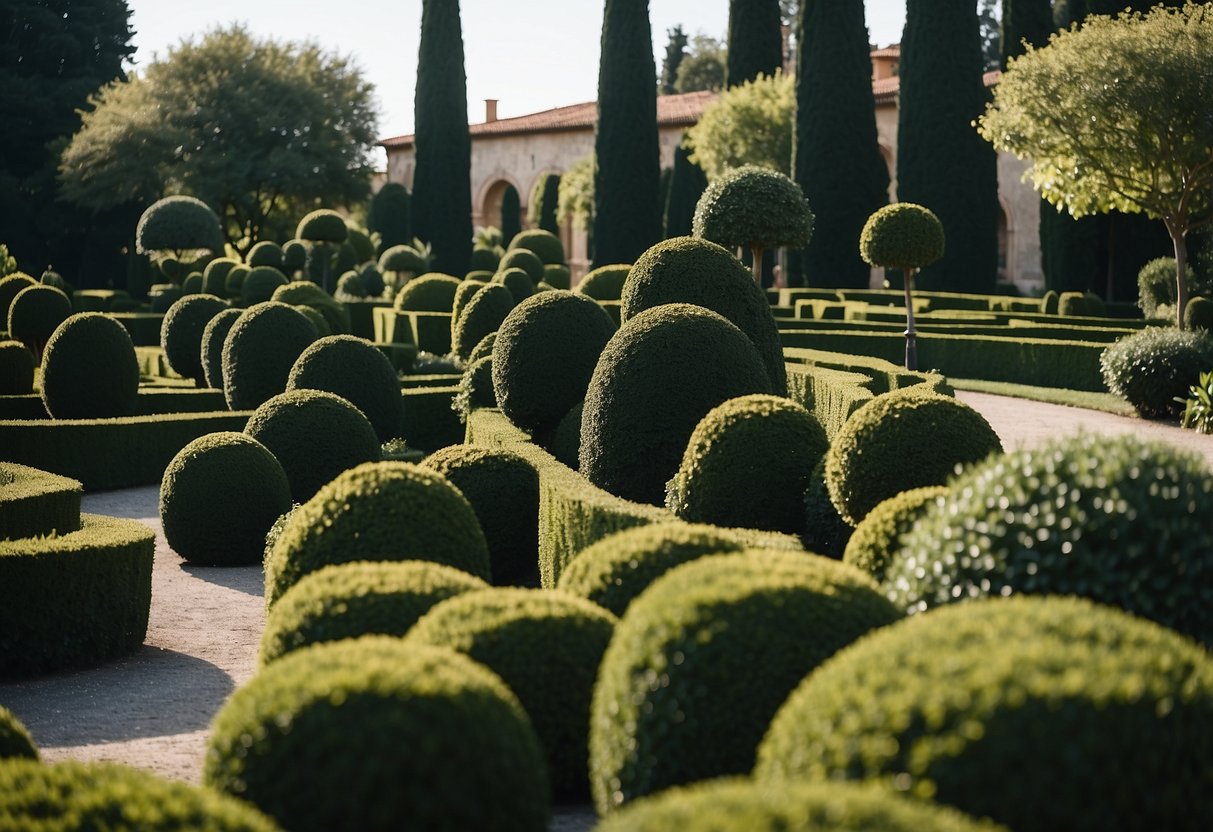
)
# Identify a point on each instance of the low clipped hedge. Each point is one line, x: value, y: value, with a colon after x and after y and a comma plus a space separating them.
x: 1151, y: 368
x: 74, y: 599
x: 729, y: 636
x: 16, y: 368
x: 357, y: 599
x: 259, y: 351
x: 987, y: 706
x: 475, y: 387
x: 211, y: 346
x: 428, y: 293
x: 546, y: 646
x: 542, y: 243
x: 355, y: 370
x: 374, y: 734
x: 35, y: 503
x: 605, y: 282
x: 219, y: 497
x: 89, y: 369
x: 484, y: 313
x: 878, y: 539
x: 378, y: 511
x: 15, y: 741
x: 181, y: 334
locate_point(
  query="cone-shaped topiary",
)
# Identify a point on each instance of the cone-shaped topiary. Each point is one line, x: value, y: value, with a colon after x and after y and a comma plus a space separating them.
x: 182, y: 226
x: 515, y: 279
x: 89, y: 369
x: 259, y: 351
x: 428, y: 293
x: 266, y: 253
x: 210, y: 346
x: 879, y: 537
x: 16, y: 368
x: 35, y: 313
x: 15, y: 740
x: 352, y: 368
x: 1151, y: 368
x: 543, y: 244
x: 525, y: 259
x: 260, y: 284
x: 376, y: 734
x: 483, y: 314
x: 181, y: 334
x: 605, y: 282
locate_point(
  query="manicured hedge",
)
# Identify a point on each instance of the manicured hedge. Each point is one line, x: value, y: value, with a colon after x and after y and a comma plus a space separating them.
x: 484, y: 312
x: 878, y: 539
x: 542, y: 243
x: 211, y: 346
x: 259, y: 351
x: 89, y: 369
x: 35, y: 503
x: 430, y: 422
x: 428, y: 293
x: 355, y: 370
x: 151, y: 401
x: 605, y: 282
x: 181, y: 334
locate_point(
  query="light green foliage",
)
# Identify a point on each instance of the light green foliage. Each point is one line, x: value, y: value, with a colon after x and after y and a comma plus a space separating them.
x: 181, y: 334
x: 1151, y: 368
x: 750, y: 124
x: 476, y: 383
x: 259, y: 351
x: 355, y: 370
x: 1198, y: 407
x: 576, y: 193
x: 402, y: 260
x: 877, y: 539
x: 15, y: 741
x: 8, y: 263
x: 703, y: 67
x: 902, y: 236
x: 89, y: 369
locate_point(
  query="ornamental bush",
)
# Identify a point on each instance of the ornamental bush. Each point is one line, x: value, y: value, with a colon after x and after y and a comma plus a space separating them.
x: 294, y: 256
x: 484, y: 350
x: 266, y: 253
x: 825, y: 532
x: 259, y: 351
x: 657, y: 377
x: 878, y: 539
x: 317, y: 320
x: 376, y: 734
x: 605, y: 282
x: 15, y: 741
x: 192, y: 285
x: 704, y: 658
x: 89, y: 369
x: 214, y: 276
x: 1152, y: 367
x: 557, y: 276
x: 902, y: 236
x: 463, y: 295
x: 428, y: 293
x: 543, y: 244
x: 260, y: 284
x: 16, y: 369
x: 322, y: 226
x: 399, y: 260
x: 219, y: 496
x: 10, y: 285
x: 211, y: 345
x: 475, y: 386
x: 350, y: 285
x: 235, y: 281
x: 181, y: 226
x: 1198, y: 314
x: 986, y: 706
x: 484, y: 258
x: 306, y: 293
x: 1048, y: 303
x: 519, y: 283
x: 181, y: 334
x: 372, y: 279
x: 355, y: 370
x: 521, y: 258
x: 546, y: 646
x: 35, y: 313
x: 483, y: 314
x: 1080, y: 305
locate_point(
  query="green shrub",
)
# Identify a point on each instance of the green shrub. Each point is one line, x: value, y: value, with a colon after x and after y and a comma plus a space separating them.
x: 428, y: 293
x: 322, y: 226
x: 180, y: 225
x: 10, y: 285
x: 219, y: 497
x: 747, y: 464
x: 503, y: 490
x: 235, y: 281
x: 902, y: 236
x: 605, y: 282
x: 355, y: 370
x: 1048, y: 304
x: 1198, y: 314
x: 350, y: 285
x: 543, y: 244
x: 89, y: 369
x: 463, y: 295
x: 317, y: 320
x: 16, y: 369
x: 211, y: 346
x: 1077, y: 305
x: 360, y: 243
x: 259, y: 351
x: 484, y: 349
x: 15, y: 741
x: 181, y: 334
x: 877, y: 539
x: 986, y: 706
x: 192, y: 285
x: 214, y: 276
x: 393, y: 511
x: 305, y: 293
x: 36, y: 503
x: 475, y: 387
x: 825, y: 532
x: 402, y: 260
x: 259, y: 285
x: 372, y: 279
x: 557, y: 276
x: 566, y: 440
x: 519, y: 283
x: 902, y: 440
x: 704, y: 658
x: 521, y: 258
x: 266, y: 253
x: 480, y: 276
x: 1156, y: 286
x: 294, y: 256
x: 484, y: 259
x: 657, y: 377
x: 485, y: 311
x: 35, y: 313
x: 1151, y: 368
x: 753, y: 207
x: 689, y: 270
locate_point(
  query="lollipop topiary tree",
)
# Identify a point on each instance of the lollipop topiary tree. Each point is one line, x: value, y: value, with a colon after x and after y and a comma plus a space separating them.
x: 325, y: 230
x: 179, y: 230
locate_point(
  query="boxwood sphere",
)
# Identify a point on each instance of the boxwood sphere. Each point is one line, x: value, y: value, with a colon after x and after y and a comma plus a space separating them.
x: 484, y: 312
x: 357, y: 599
x: 219, y: 496
x: 372, y: 279
x: 259, y: 285
x: 902, y: 440
x: 181, y: 334
x: 350, y: 284
x: 704, y: 658
x: 306, y: 293
x: 879, y: 537
x: 374, y: 733
x: 484, y: 259
x: 690, y: 270
x: 428, y: 293
x: 36, y: 312
x: 354, y: 369
x: 179, y: 224
x: 192, y: 285
x: 89, y: 369
x: 378, y: 511
x: 322, y: 226
x: 754, y: 206
x: 519, y: 283
x: 542, y: 243
x: 544, y: 355
x: 266, y: 253
x: 546, y: 646
x: 902, y: 236
x: 16, y: 369
x: 214, y: 275
x: 524, y: 259
x: 210, y: 346
x: 1119, y: 520
x: 605, y: 282
x: 401, y: 259
x: 1198, y: 314
x: 259, y: 351
x: 1151, y: 368
x: 15, y: 741
x: 657, y: 377
x: 748, y: 464
x: 235, y: 280
x: 10, y: 285
x: 1017, y: 709
x: 557, y: 276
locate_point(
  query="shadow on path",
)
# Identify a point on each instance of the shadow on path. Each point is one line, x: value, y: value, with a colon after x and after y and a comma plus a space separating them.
x: 246, y: 579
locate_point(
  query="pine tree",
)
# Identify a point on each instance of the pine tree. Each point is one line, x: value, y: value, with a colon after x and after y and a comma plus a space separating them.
x: 687, y: 184
x: 511, y: 214
x: 389, y: 216
x: 675, y: 51
x: 627, y: 210
x: 1024, y: 20
x: 836, y: 155
x: 442, y: 189
x: 755, y: 45
x: 942, y: 162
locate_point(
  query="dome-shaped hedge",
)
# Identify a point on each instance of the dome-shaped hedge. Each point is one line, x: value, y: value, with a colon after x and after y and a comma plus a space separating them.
x: 463, y: 295
x: 294, y: 256
x: 16, y: 369
x: 704, y: 658
x: 15, y: 741
x: 557, y: 276
x: 483, y: 314
x: 259, y: 351
x: 401, y: 259
x: 1152, y: 367
x: 10, y: 285
x: 902, y: 440
x: 235, y: 281
x: 1198, y: 314
x: 306, y: 293
x: 89, y: 369
x: 1116, y: 519
x: 260, y: 284
x: 748, y: 465
x: 354, y: 369
x: 350, y: 285
x: 690, y: 270
x: 182, y: 225
x: 1041, y: 713
x: 378, y: 511
x: 521, y: 258
x: 544, y: 355
x: 879, y: 537
x: 375, y: 734
x: 181, y: 334
x: 480, y: 275
x: 542, y: 243
x: 372, y: 279
x: 825, y: 532
x: 475, y: 387
x: 210, y: 346
x: 484, y: 259
x: 605, y: 282
x: 428, y: 293
x: 266, y: 253
x: 519, y: 283
x: 36, y: 312
x: 214, y: 276
x: 1048, y: 303
x: 546, y: 646
x: 657, y: 377
x: 192, y: 285
x: 322, y: 226
x: 219, y: 496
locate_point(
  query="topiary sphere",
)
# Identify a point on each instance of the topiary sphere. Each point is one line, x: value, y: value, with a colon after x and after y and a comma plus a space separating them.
x: 89, y: 369
x: 259, y: 351
x: 355, y: 370
x: 878, y: 539
x: 399, y: 259
x: 361, y: 243
x: 542, y: 243
x: 1152, y: 367
x: 214, y: 276
x: 521, y: 258
x: 358, y: 599
x: 605, y: 282
x: 16, y: 369
x: 10, y: 285
x: 294, y: 255
x: 306, y: 293
x: 747, y: 465
x: 557, y: 276
x: 503, y: 489
x: 266, y: 253
x: 1048, y: 303
x: 480, y: 276
x: 315, y: 435
x: 901, y: 236
x: 1198, y: 314
x: 484, y: 259
x: 689, y: 270
x: 475, y: 387
x: 181, y: 334
x: 192, y: 284
x: 181, y: 225
x: 428, y: 293
x: 519, y: 283
x: 705, y: 657
x: 544, y: 355
x: 377, y: 734
x: 210, y: 346
x: 902, y: 440
x: 350, y: 285
x: 235, y: 281
x: 372, y: 279
x: 260, y: 284
x: 753, y: 207
x: 15, y: 741
x: 657, y: 377
x: 36, y: 312
x: 378, y: 511
x: 483, y: 314
x: 1017, y: 709
x: 322, y: 226
x: 463, y: 295
x: 219, y: 496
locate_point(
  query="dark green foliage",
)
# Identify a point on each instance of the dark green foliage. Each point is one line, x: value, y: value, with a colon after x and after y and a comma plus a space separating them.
x: 35, y: 503
x: 503, y: 490
x: 675, y: 51
x: 484, y: 349
x: 687, y: 184
x: 260, y: 284
x: 322, y: 226
x: 902, y: 236
x: 1150, y: 368
x: 294, y: 256
x: 358, y: 599
x: 35, y: 313
x: 323, y: 330
x: 986, y: 705
x: 89, y: 369
x: 753, y: 207
x: 942, y: 162
x: 484, y: 260
x: 353, y: 369
x: 16, y: 368
x: 483, y: 314
x: 546, y: 646
x: 825, y: 532
x: 1024, y: 20
x: 729, y: 636
x: 394, y: 510
x: 511, y: 213
x: 1048, y: 303
x: 755, y: 41
x: 214, y: 276
x: 556, y: 276
x: 747, y: 465
x: 1074, y: 304
x: 428, y: 293
x: 1198, y: 314
x: 259, y: 351
x: 266, y: 253
x: 350, y: 285
x: 541, y: 242
x: 181, y: 226
x: 360, y: 244
x: 389, y: 216
x: 605, y: 282
x: 74, y: 599
x: 192, y: 285
x: 565, y: 444
x: 517, y: 281
x: 372, y: 279
x: 181, y: 334
x: 902, y: 440
x: 15, y: 741
x: 402, y: 259
x: 219, y: 497
x: 690, y: 270
x: 627, y: 209
x: 211, y: 345
x: 374, y: 734
x: 463, y: 295
x: 475, y: 385
x: 234, y: 281
x: 544, y: 197
x: 305, y: 293
x: 10, y: 285
x: 877, y: 539
x: 525, y: 259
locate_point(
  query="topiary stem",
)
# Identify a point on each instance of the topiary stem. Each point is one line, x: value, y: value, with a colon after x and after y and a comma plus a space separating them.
x: 911, y: 329
x: 1181, y: 274
x: 757, y: 267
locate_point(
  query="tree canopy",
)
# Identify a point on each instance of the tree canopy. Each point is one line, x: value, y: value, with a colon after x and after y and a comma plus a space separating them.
x: 675, y: 51
x: 702, y: 68
x: 750, y: 124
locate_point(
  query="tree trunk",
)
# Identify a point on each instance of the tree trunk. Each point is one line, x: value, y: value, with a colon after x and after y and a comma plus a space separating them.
x: 911, y: 329
x: 756, y: 270
x: 1181, y: 274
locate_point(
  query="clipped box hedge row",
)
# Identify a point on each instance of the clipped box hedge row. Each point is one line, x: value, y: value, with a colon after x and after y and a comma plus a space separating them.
x: 35, y: 503
x: 430, y: 422
x: 144, y: 327
x: 152, y: 401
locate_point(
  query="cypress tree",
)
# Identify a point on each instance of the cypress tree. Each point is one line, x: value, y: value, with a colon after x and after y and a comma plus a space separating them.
x: 389, y: 215
x: 627, y: 209
x: 1024, y: 20
x: 442, y: 183
x: 544, y: 200
x: 835, y: 153
x: 687, y: 184
x: 675, y: 51
x: 511, y: 214
x: 755, y: 45
x: 942, y: 162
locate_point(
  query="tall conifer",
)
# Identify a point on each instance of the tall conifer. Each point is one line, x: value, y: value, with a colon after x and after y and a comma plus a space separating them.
x: 687, y: 184
x: 755, y: 45
x: 511, y: 214
x: 1024, y: 20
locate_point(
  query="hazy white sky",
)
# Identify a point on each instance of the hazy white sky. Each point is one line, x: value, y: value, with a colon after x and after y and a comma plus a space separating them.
x: 532, y: 55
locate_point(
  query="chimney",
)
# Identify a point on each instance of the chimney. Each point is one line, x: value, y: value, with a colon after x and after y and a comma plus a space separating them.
x: 490, y: 110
